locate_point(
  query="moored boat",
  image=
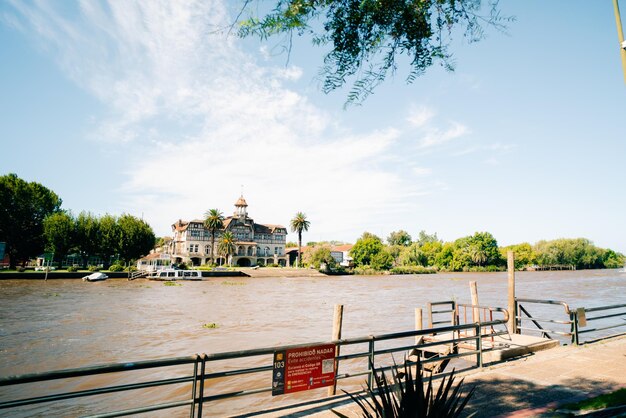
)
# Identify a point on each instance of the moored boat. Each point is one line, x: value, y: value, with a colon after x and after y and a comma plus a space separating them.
x: 174, y: 274
x: 95, y: 277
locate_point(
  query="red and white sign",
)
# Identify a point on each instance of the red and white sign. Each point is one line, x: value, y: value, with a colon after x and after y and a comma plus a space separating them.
x: 303, y: 368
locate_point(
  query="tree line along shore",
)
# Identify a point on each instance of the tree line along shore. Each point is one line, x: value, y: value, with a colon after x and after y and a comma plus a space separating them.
x: 400, y: 254
x: 32, y: 222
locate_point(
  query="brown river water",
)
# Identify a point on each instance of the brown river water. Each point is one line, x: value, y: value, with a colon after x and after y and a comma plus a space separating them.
x: 62, y: 324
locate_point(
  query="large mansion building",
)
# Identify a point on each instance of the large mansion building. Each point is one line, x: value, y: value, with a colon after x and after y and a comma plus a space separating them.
x: 257, y: 244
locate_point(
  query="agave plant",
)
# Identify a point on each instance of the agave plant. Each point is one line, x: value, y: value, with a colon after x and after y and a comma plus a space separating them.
x: 405, y: 396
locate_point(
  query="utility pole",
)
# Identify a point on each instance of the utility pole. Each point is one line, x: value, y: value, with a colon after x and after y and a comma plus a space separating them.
x: 620, y: 37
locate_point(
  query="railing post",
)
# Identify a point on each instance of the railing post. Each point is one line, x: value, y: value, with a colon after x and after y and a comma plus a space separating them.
x: 370, y: 366
x: 573, y: 316
x: 337, y: 325
x: 479, y: 345
x: 518, y: 317
x: 201, y: 395
x: 193, y: 388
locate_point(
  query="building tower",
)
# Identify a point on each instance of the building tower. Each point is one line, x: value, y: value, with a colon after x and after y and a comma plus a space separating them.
x: 241, y: 208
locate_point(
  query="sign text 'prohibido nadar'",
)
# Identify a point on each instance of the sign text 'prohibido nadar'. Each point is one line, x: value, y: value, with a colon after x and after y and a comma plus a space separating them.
x: 303, y: 368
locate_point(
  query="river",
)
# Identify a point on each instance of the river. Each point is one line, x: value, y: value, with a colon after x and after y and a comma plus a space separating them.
x: 61, y: 324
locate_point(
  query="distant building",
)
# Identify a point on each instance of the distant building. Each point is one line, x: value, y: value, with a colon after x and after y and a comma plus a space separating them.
x: 341, y: 254
x: 257, y: 244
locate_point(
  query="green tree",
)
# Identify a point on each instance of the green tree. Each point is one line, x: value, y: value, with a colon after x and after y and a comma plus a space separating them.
x: 424, y: 238
x: 365, y: 248
x: 60, y: 234
x: 213, y: 221
x: 136, y: 238
x: 87, y: 235
x: 524, y: 254
x: 431, y: 250
x: 613, y: 260
x: 320, y: 255
x: 445, y: 257
x: 480, y: 249
x: 298, y: 224
x: 23, y: 208
x: 366, y: 37
x: 382, y: 260
x: 109, y: 242
x: 413, y: 256
x: 400, y: 237
x: 227, y: 247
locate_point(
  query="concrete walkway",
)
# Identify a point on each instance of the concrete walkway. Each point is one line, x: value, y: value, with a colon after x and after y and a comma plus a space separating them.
x: 525, y: 387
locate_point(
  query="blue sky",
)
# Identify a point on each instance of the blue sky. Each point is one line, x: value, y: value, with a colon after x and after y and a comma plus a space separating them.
x: 141, y: 108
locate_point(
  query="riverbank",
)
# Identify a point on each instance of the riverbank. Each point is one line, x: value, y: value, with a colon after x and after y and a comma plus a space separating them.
x: 240, y: 272
x: 58, y: 275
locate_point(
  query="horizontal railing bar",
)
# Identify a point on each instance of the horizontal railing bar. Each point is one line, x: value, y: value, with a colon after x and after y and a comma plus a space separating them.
x: 546, y: 331
x: 93, y: 392
x: 238, y: 372
x: 552, y: 321
x: 445, y: 302
x: 441, y: 322
x: 353, y: 356
x: 604, y: 308
x: 601, y: 329
x: 349, y: 375
x: 135, y: 411
x: 546, y: 302
x: 98, y: 369
x: 236, y: 394
x: 606, y: 316
x: 446, y: 311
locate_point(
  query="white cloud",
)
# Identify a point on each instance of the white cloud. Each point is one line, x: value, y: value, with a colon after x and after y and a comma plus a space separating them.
x: 435, y: 136
x: 420, y: 116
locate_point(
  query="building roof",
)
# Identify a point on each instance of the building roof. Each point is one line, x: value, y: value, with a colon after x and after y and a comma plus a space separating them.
x: 241, y: 201
x: 153, y: 256
x: 342, y: 248
x: 180, y: 225
x: 264, y: 228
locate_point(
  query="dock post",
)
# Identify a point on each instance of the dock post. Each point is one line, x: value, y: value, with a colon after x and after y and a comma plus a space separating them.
x: 475, y: 310
x: 337, y: 325
x: 418, y: 325
x: 510, y: 261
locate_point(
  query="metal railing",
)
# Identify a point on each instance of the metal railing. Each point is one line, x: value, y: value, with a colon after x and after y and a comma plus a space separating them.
x: 375, y: 353
x: 576, y: 321
x: 581, y: 320
x: 537, y: 321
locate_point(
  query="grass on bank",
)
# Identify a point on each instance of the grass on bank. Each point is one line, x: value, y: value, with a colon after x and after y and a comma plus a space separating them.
x: 609, y: 400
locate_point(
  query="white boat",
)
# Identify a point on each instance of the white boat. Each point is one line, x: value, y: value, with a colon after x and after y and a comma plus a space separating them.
x: 174, y: 274
x: 95, y: 277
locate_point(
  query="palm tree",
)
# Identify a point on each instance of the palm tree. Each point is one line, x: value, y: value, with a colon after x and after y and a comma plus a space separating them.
x: 299, y: 224
x: 213, y: 220
x: 227, y: 246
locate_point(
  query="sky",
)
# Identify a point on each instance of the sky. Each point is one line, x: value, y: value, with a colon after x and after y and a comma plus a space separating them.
x: 151, y: 108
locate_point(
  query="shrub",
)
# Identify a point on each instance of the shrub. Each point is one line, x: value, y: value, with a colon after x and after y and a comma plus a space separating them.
x: 130, y: 268
x: 72, y: 269
x: 405, y: 396
x: 116, y: 267
x: 20, y: 269
x: 365, y: 271
x: 413, y: 270
x: 93, y: 268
